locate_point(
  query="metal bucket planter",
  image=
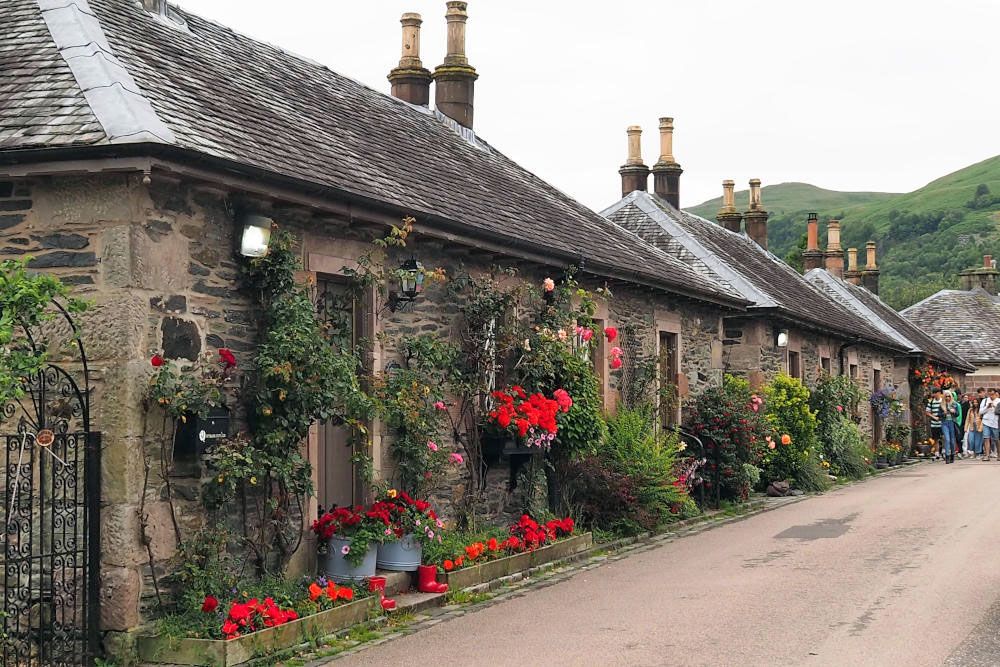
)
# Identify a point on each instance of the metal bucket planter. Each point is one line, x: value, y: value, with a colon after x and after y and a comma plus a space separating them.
x: 402, y: 555
x: 336, y: 566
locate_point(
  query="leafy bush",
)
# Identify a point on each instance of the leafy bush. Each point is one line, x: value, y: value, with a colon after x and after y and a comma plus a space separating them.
x: 795, y: 455
x: 731, y: 419
x: 630, y: 485
x: 834, y: 400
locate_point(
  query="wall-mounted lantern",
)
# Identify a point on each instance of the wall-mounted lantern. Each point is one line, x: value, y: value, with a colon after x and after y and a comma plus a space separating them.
x: 781, y: 338
x: 256, y: 235
x: 411, y: 284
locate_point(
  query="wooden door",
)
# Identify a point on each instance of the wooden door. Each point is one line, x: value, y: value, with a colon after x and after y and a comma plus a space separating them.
x: 668, y: 370
x: 337, y: 482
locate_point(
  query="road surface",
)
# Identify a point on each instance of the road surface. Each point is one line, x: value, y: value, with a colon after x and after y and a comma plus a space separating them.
x: 901, y: 570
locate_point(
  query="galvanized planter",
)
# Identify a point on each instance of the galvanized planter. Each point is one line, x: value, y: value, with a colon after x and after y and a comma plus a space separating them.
x: 402, y: 555
x: 503, y: 567
x: 335, y: 566
x: 223, y: 653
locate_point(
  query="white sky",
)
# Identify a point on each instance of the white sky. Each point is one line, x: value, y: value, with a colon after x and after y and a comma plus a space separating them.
x: 848, y: 95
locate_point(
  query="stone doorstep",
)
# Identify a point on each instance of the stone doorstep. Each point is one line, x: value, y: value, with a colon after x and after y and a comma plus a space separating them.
x: 396, y: 583
x: 416, y: 602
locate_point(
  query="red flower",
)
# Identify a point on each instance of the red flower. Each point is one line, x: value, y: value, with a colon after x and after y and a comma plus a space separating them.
x: 522, y: 427
x: 492, y: 544
x: 240, y: 613
x: 611, y: 333
x: 210, y: 604
x: 615, y: 363
x: 230, y: 630
x: 226, y: 357
x: 157, y: 361
x: 448, y: 565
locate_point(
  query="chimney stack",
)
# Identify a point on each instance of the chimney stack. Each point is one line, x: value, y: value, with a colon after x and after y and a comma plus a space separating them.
x: 869, y: 277
x: 411, y: 81
x: 455, y: 80
x: 155, y: 6
x: 756, y: 216
x: 852, y: 275
x: 634, y: 173
x: 812, y: 258
x: 666, y: 171
x: 984, y: 277
x: 834, y: 253
x: 728, y: 216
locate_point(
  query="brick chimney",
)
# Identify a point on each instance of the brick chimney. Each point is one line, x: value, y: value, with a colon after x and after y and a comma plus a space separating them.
x: 455, y: 80
x: 635, y: 175
x: 666, y: 171
x: 812, y: 256
x: 756, y: 216
x: 869, y: 277
x: 834, y: 254
x: 851, y: 274
x: 411, y: 81
x: 728, y: 216
x: 985, y: 277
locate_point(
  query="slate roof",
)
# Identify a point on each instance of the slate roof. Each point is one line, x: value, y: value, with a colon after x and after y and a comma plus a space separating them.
x: 207, y: 90
x: 874, y: 310
x: 965, y: 321
x: 743, y: 266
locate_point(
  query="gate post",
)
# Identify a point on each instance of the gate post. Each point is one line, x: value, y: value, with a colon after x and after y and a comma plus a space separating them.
x: 93, y: 571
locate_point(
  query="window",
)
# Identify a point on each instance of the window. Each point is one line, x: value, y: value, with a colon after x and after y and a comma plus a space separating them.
x: 824, y: 363
x: 667, y: 370
x: 853, y: 371
x: 794, y: 364
x: 876, y: 417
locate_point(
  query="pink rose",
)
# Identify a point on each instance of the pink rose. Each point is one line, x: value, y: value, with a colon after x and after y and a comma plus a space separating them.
x: 439, y: 405
x: 549, y: 284
x: 431, y: 445
x: 586, y: 335
x: 456, y: 458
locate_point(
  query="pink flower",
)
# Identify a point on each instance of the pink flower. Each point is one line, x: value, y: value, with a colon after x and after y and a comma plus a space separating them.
x: 548, y: 284
x: 439, y: 405
x: 346, y: 549
x: 431, y: 445
x: 840, y: 408
x: 430, y: 534
x: 456, y: 458
x: 586, y: 335
x: 562, y: 334
x: 615, y: 352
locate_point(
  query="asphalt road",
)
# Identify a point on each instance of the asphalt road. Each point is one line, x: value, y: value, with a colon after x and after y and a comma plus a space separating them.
x: 900, y: 570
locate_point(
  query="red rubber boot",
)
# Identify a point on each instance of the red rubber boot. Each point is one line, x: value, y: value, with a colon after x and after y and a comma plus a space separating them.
x: 378, y: 584
x: 427, y: 582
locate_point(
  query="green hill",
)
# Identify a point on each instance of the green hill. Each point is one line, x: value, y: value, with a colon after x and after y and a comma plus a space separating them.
x: 925, y: 237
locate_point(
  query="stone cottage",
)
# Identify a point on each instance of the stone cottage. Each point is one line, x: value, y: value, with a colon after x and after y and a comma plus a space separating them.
x: 791, y: 325
x: 137, y: 140
x: 965, y: 321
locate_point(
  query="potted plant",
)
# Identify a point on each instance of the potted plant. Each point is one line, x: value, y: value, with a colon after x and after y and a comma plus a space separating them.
x: 408, y: 524
x: 351, y: 537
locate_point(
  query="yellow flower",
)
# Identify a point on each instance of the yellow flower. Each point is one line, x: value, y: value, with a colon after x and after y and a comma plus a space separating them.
x: 253, y: 480
x: 392, y: 493
x: 221, y: 477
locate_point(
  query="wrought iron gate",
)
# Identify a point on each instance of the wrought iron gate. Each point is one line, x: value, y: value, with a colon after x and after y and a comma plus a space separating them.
x: 51, y: 510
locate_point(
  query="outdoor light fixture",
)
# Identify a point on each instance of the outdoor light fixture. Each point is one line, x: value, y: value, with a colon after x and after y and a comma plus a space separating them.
x: 411, y: 284
x: 256, y: 235
x: 782, y: 338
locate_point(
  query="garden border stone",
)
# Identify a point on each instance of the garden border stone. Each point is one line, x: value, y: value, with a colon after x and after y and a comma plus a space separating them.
x: 226, y: 653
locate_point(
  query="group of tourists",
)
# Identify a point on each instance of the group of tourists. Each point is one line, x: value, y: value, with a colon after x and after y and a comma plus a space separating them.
x: 966, y: 426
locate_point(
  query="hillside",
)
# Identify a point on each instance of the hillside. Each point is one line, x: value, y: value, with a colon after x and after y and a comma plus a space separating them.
x: 925, y: 237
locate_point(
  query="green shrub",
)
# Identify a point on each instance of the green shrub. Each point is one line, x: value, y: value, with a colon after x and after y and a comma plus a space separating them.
x: 629, y: 485
x: 795, y: 455
x: 835, y: 400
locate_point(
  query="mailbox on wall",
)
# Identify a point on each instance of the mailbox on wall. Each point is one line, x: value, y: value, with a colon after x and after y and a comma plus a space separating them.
x: 197, y: 434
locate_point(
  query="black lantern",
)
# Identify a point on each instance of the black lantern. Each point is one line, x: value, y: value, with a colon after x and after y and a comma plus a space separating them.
x: 411, y: 284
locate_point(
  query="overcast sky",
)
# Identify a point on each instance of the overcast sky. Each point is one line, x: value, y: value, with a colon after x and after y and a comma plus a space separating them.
x: 848, y: 95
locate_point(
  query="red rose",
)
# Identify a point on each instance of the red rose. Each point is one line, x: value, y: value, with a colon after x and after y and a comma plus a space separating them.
x: 210, y: 604
x: 611, y: 333
x: 615, y: 363
x: 226, y: 357
x: 157, y: 361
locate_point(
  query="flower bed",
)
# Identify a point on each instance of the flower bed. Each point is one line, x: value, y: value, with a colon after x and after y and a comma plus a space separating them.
x: 507, y: 565
x: 224, y: 653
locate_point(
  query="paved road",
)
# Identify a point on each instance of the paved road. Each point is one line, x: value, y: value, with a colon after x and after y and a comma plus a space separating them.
x: 900, y: 570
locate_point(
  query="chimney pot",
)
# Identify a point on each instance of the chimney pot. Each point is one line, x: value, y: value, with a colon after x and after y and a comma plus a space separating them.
x: 870, y: 264
x: 869, y: 277
x: 411, y: 82
x: 756, y: 216
x: 455, y: 80
x: 834, y: 253
x: 812, y: 257
x: 666, y: 171
x: 728, y: 216
x: 987, y: 261
x: 635, y: 175
x: 852, y: 259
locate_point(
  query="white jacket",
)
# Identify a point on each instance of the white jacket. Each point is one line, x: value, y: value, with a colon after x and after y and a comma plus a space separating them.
x: 986, y: 409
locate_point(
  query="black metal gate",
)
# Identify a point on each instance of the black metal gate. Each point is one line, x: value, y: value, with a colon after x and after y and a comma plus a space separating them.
x: 51, y: 510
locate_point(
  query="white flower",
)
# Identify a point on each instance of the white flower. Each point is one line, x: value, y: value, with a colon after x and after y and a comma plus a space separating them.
x: 527, y: 345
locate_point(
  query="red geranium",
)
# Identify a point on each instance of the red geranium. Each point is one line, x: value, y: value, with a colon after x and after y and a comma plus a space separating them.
x: 226, y: 357
x: 611, y: 333
x: 210, y: 604
x: 534, y: 418
x: 156, y: 361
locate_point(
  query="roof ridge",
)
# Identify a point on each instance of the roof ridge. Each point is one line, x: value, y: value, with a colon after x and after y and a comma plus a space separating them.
x: 110, y: 91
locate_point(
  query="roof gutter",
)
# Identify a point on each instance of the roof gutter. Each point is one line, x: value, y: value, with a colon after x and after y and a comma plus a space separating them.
x: 120, y: 157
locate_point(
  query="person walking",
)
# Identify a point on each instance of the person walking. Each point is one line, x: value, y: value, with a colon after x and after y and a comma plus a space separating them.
x: 988, y: 411
x: 973, y: 427
x: 949, y: 425
x: 934, y: 414
x: 959, y: 425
